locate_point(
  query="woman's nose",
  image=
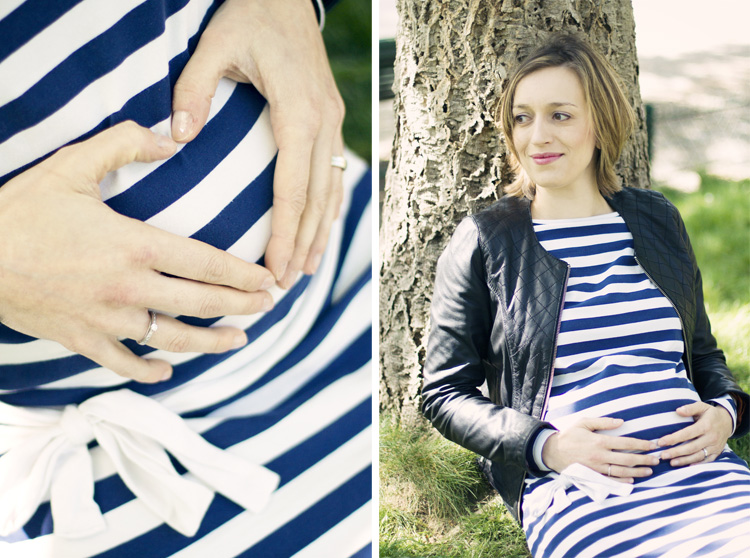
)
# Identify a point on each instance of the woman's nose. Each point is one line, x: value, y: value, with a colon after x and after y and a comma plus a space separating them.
x: 540, y: 132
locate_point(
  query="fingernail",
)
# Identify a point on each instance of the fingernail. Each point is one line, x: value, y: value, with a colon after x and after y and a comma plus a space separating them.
x: 163, y: 141
x: 654, y: 446
x: 239, y: 341
x: 289, y: 278
x: 655, y: 461
x: 268, y: 282
x: 268, y: 304
x: 166, y: 376
x: 182, y: 125
x: 280, y: 274
x: 664, y: 456
x: 316, y: 262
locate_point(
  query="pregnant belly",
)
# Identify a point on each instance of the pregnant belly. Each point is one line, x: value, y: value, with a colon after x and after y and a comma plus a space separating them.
x: 647, y: 403
x: 218, y: 188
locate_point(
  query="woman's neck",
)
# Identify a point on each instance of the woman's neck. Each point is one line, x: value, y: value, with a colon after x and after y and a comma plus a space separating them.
x: 568, y: 205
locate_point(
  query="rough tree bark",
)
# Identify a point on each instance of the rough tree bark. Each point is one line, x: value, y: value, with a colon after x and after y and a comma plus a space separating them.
x: 448, y: 159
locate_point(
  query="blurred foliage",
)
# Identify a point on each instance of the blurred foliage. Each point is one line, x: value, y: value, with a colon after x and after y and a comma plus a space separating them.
x: 348, y: 39
x: 717, y: 218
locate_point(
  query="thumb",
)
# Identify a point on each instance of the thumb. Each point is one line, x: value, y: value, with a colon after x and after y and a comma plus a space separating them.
x: 692, y: 409
x: 196, y: 86
x: 113, y: 148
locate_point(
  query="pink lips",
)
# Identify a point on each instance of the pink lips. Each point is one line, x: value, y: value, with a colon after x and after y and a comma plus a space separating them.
x: 546, y: 158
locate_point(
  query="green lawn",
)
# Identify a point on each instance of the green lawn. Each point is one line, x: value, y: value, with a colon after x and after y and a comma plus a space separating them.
x: 433, y: 500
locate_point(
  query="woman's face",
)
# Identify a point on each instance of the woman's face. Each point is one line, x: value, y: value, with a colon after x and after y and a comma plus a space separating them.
x: 552, y: 130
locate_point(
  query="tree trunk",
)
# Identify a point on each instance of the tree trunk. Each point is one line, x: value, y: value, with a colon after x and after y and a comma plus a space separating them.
x: 448, y: 159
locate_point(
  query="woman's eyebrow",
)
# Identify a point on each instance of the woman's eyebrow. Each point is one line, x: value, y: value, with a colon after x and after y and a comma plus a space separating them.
x: 553, y: 104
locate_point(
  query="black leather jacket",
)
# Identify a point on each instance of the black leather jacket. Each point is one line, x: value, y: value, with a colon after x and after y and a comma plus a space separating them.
x: 495, y: 319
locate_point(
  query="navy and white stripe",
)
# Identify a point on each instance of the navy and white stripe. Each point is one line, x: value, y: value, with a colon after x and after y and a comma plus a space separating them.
x: 297, y: 398
x: 620, y: 355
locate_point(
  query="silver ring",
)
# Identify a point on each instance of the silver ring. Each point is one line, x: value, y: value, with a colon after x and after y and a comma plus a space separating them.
x: 152, y: 327
x: 705, y: 454
x: 338, y: 161
x: 609, y: 470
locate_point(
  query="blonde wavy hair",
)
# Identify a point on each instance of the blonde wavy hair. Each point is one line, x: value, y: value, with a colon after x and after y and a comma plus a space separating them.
x: 611, y: 114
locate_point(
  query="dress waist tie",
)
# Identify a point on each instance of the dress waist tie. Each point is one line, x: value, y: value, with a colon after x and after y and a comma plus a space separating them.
x: 552, y: 495
x: 46, y: 456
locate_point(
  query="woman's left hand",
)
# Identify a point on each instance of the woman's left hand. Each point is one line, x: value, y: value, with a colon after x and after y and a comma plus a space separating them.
x: 711, y: 430
x: 276, y: 45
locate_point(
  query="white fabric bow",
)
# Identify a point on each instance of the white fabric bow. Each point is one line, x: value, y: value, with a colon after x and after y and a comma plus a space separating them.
x: 595, y: 485
x: 46, y: 456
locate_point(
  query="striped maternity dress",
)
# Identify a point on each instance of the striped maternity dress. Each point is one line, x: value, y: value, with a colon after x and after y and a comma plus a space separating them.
x: 620, y: 355
x: 263, y: 451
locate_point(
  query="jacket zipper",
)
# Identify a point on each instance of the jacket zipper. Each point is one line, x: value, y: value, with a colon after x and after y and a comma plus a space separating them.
x: 549, y: 378
x: 677, y: 311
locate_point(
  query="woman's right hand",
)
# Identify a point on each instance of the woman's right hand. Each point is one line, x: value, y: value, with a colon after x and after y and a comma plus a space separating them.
x: 582, y: 444
x: 276, y: 45
x: 74, y: 271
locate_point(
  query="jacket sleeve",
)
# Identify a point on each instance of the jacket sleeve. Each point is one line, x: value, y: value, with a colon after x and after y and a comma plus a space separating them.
x: 461, y: 325
x: 711, y: 376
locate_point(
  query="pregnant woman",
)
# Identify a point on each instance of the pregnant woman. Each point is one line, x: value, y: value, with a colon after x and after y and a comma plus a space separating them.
x: 184, y: 284
x: 607, y: 405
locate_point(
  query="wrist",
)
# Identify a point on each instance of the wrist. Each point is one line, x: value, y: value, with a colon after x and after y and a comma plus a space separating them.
x: 535, y: 459
x: 549, y: 451
x: 727, y: 418
x: 727, y: 403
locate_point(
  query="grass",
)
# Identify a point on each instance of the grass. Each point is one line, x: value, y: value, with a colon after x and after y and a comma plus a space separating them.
x: 443, y: 479
x: 434, y: 501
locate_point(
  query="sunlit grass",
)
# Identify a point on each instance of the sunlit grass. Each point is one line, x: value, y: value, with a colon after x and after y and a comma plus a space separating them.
x: 429, y: 474
x: 435, y: 502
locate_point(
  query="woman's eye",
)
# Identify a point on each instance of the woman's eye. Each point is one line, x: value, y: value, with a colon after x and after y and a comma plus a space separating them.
x: 521, y: 118
x: 560, y: 116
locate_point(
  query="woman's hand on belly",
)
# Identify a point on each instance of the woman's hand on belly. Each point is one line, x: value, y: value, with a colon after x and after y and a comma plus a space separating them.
x: 74, y: 271
x: 276, y: 45
x: 582, y: 444
x: 711, y: 430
